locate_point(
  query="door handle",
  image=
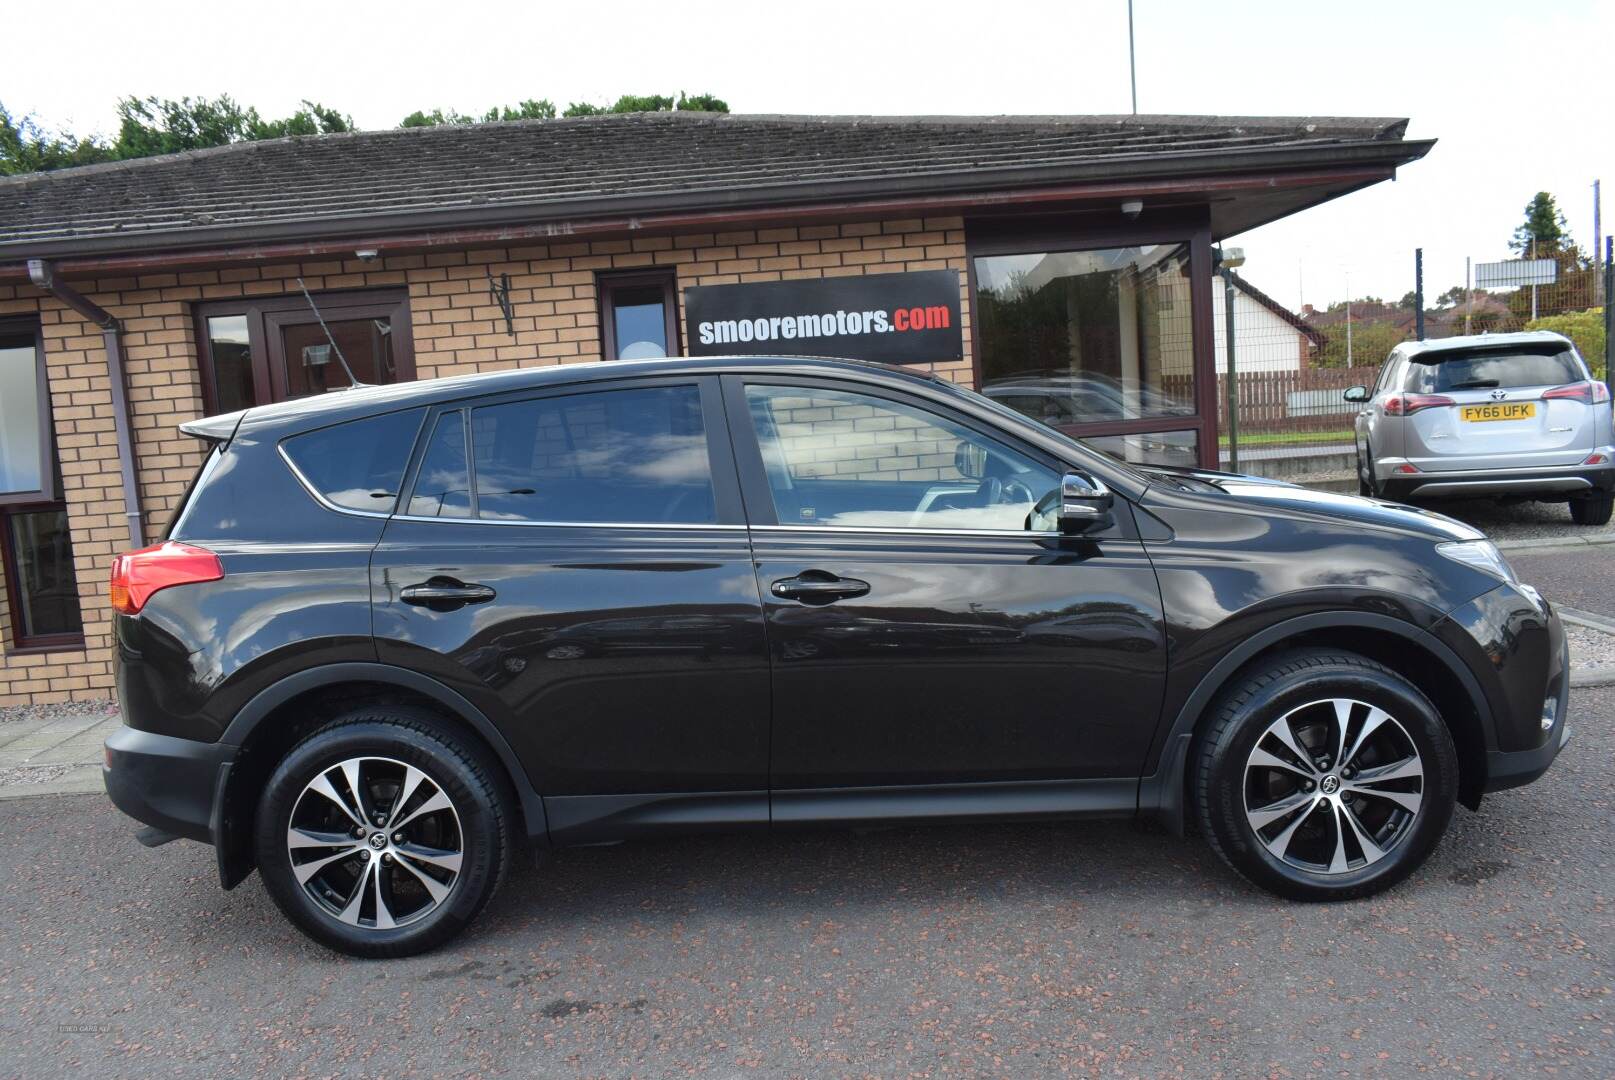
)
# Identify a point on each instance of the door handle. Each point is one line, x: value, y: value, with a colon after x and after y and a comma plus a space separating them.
x: 818, y: 587
x: 445, y: 593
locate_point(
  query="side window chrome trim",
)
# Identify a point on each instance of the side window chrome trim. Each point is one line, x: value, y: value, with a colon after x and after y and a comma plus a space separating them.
x: 280, y: 448
x: 913, y: 530
x: 682, y: 526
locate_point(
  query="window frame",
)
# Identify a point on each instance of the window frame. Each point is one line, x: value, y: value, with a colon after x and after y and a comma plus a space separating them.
x: 49, y: 490
x: 727, y: 503
x: 758, y: 492
x: 20, y: 643
x: 268, y: 315
x: 985, y: 238
x: 607, y: 285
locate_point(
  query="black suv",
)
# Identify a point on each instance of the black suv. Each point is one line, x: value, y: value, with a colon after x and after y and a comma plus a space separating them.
x: 398, y: 635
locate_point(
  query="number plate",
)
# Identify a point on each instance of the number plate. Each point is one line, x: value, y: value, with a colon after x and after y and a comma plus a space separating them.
x: 1508, y: 410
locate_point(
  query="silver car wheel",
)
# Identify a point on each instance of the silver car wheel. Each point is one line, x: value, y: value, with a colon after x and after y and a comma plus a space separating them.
x: 1333, y: 786
x: 375, y: 843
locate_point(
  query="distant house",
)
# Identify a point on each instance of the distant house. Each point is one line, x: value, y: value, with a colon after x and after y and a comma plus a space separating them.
x: 1267, y: 335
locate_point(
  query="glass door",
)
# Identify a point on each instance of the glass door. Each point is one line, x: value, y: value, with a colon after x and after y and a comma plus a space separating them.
x: 273, y: 349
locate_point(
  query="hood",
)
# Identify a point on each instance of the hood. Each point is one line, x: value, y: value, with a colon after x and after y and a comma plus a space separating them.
x: 1282, y: 495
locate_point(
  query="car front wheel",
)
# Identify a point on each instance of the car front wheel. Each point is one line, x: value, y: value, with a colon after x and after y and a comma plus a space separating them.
x: 1325, y: 776
x: 382, y: 835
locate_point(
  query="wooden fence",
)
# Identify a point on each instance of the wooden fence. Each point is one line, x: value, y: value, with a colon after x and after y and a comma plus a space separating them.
x: 1280, y: 401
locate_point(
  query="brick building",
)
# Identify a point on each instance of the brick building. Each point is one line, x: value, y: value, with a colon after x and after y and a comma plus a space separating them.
x: 138, y: 295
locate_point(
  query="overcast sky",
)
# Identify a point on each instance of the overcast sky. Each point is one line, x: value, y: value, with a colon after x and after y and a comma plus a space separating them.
x: 1519, y: 94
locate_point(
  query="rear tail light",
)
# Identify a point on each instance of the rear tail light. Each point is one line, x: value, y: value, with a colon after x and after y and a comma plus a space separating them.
x: 1588, y: 393
x: 1406, y: 469
x: 136, y: 575
x: 1408, y: 404
x: 1596, y: 458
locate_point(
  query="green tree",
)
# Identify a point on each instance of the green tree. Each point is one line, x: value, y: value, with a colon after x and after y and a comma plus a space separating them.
x: 1371, y: 343
x: 1585, y: 328
x: 526, y: 110
x: 637, y: 103
x: 1544, y: 225
x: 25, y: 147
x: 150, y: 125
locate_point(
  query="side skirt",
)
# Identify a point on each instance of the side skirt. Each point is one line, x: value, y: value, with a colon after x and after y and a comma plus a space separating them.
x: 607, y: 819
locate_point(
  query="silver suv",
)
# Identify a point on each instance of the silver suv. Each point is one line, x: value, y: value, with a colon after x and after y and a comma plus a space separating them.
x: 1507, y: 416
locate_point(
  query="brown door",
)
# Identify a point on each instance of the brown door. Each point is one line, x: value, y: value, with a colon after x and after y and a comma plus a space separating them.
x: 302, y: 360
x: 272, y: 349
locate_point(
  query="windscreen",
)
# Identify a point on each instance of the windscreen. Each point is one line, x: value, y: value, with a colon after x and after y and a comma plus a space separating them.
x: 1439, y: 373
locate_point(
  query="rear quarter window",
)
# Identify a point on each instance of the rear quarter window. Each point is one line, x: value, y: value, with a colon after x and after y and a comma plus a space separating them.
x: 1493, y: 369
x: 357, y: 465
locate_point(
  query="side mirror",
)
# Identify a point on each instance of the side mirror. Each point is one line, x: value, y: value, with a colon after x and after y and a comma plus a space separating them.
x: 1085, y: 504
x: 1357, y: 394
x: 970, y: 460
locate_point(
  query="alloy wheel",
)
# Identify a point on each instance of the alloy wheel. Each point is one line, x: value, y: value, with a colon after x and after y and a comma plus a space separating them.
x: 375, y: 843
x: 1333, y: 786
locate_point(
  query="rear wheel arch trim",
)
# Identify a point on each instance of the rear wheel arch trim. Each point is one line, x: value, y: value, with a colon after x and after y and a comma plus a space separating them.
x: 1161, y: 792
x: 269, y: 699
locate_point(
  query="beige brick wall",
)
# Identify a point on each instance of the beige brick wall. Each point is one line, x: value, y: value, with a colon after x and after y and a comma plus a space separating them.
x: 457, y: 329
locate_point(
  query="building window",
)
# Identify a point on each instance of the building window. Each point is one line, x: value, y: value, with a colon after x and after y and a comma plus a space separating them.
x: 1097, y: 341
x: 639, y: 315
x: 273, y: 348
x: 27, y: 450
x: 36, y: 551
x: 40, y: 581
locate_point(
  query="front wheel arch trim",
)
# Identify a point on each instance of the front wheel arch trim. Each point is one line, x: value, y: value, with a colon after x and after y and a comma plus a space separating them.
x: 1161, y: 792
x: 272, y: 697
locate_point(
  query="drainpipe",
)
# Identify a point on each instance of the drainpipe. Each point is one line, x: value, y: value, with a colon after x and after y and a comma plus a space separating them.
x: 42, y: 275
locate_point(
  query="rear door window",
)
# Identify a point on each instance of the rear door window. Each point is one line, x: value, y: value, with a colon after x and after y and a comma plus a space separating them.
x: 606, y: 456
x: 1492, y: 369
x: 357, y: 465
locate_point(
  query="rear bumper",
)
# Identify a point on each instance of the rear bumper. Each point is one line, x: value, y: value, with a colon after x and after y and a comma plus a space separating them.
x: 170, y: 783
x: 1558, y: 483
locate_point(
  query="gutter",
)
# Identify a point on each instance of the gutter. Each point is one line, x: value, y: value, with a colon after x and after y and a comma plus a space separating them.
x: 43, y: 276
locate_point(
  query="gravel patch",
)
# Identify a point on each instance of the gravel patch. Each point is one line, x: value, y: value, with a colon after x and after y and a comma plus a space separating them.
x: 1590, y: 649
x: 34, y: 774
x: 58, y: 710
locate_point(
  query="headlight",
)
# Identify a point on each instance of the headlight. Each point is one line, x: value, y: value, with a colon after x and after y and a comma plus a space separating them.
x: 1483, y: 556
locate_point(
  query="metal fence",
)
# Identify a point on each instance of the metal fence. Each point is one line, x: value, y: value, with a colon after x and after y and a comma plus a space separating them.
x: 1283, y: 414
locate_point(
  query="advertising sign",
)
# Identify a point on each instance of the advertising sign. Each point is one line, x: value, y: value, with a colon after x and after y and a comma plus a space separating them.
x: 895, y: 318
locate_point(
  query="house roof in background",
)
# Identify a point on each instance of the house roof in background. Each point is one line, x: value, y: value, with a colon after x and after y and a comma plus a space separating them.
x: 570, y: 169
x: 1313, y: 334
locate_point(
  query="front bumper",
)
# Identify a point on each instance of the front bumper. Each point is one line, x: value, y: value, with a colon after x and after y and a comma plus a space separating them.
x: 170, y: 783
x: 1533, y: 483
x: 1515, y: 768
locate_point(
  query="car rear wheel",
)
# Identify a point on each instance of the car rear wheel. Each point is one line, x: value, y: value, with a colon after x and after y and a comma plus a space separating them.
x: 382, y: 835
x: 1365, y: 476
x: 1325, y: 776
x: 1592, y: 509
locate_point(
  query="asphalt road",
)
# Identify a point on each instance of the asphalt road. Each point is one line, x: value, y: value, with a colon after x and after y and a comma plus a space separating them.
x: 1580, y: 577
x: 1090, y: 949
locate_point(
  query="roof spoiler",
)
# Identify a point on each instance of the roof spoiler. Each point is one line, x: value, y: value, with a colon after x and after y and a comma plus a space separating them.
x: 215, y: 429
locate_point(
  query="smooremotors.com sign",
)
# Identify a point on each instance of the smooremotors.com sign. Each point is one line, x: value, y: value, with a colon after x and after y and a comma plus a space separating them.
x: 896, y: 318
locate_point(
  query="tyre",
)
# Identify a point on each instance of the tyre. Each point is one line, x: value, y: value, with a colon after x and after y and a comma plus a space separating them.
x: 1324, y: 776
x: 1365, y: 476
x: 382, y: 835
x: 1593, y: 509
